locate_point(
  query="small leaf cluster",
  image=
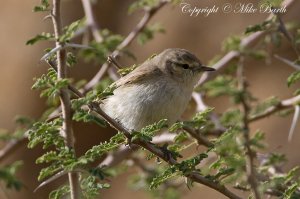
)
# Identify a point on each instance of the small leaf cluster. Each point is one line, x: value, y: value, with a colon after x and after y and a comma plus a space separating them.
x: 148, y: 32
x: 98, y: 151
x: 258, y: 27
x: 100, y: 51
x: 7, y: 175
x: 142, y: 4
x: 70, y: 30
x: 198, y: 121
x: 293, y: 78
x: 264, y: 105
x: 50, y: 85
x: 46, y: 133
x: 40, y: 37
x: 149, y: 131
x: 44, y: 6
x: 183, y: 168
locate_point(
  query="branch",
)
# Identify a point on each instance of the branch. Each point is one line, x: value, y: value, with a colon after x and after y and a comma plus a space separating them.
x: 161, y: 154
x: 288, y: 62
x: 11, y: 147
x: 125, y: 151
x: 66, y: 131
x: 202, y: 140
x: 246, y: 42
x: 127, y: 41
x: 250, y: 155
x: 90, y: 19
x: 284, y: 104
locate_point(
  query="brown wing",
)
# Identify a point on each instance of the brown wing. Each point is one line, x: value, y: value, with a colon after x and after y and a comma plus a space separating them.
x: 145, y: 71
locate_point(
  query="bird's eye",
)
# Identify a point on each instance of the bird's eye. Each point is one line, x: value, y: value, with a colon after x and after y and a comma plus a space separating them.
x: 185, y: 66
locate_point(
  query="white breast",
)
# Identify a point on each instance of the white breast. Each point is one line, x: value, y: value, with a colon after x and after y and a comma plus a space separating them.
x: 136, y: 106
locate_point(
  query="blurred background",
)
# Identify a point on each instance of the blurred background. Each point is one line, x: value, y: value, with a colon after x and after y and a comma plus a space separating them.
x: 201, y: 35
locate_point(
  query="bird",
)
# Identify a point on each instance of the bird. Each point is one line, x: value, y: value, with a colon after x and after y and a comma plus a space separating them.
x: 160, y: 88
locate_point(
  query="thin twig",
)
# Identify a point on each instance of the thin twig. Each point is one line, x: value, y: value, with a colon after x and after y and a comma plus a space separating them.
x: 250, y: 155
x: 294, y: 122
x: 66, y: 131
x: 288, y: 62
x: 11, y: 147
x: 91, y: 21
x: 282, y: 28
x: 202, y: 140
x: 284, y: 104
x: 246, y: 42
x: 131, y: 36
x: 161, y: 154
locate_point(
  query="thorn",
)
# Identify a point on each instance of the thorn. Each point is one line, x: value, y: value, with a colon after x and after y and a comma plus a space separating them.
x: 294, y: 122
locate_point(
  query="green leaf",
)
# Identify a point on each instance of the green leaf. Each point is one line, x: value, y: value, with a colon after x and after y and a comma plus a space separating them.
x: 50, y: 85
x: 90, y: 187
x: 86, y: 116
x: 231, y: 44
x: 97, y: 151
x: 258, y: 27
x: 232, y: 117
x: 149, y: 131
x: 46, y: 133
x: 7, y: 175
x: 49, y: 171
x: 181, y: 137
x: 200, y: 119
x: 222, y: 85
x: 40, y: 37
x: 70, y: 30
x: 293, y: 78
x: 271, y: 3
x: 43, y: 7
x: 256, y: 141
x: 124, y: 71
x: 264, y: 106
x: 71, y: 59
x: 100, y: 51
x: 59, y: 193
x: 170, y: 172
x: 148, y: 33
x: 290, y: 191
x: 183, y: 168
x: 145, y: 4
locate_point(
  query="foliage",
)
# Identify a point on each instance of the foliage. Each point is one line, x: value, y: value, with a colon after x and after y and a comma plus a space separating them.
x: 148, y: 132
x: 7, y: 175
x: 258, y: 27
x: 232, y: 137
x: 148, y: 32
x: 50, y: 86
x: 40, y: 37
x: 43, y: 7
x: 99, y: 51
x: 293, y: 78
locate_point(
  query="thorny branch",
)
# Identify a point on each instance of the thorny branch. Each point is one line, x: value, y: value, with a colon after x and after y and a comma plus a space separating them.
x: 131, y: 36
x: 250, y: 156
x: 66, y: 131
x: 246, y: 42
x: 91, y: 21
x: 152, y: 148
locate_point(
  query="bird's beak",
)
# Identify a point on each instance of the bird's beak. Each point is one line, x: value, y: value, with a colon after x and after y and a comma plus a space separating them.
x: 205, y: 68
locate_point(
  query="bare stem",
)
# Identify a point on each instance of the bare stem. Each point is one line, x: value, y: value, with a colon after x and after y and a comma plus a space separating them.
x: 91, y: 21
x: 66, y: 131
